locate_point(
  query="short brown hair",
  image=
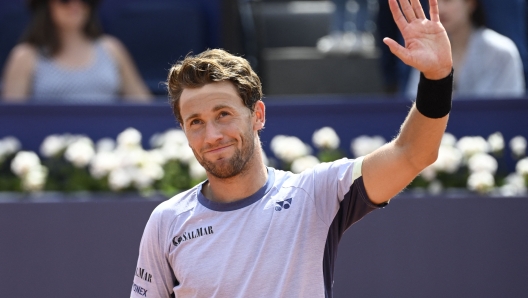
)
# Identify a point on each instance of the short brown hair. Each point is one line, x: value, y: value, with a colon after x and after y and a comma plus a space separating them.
x: 213, y: 66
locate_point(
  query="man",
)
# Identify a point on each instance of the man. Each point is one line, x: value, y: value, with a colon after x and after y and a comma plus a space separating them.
x: 253, y: 231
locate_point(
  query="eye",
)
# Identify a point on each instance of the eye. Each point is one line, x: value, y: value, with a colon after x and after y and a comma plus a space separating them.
x: 194, y: 122
x: 223, y: 114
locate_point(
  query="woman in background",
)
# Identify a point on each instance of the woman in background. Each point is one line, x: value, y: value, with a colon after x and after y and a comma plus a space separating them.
x: 486, y: 63
x: 65, y: 57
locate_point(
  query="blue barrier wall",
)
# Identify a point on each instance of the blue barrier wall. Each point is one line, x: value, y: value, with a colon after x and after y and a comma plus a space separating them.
x: 350, y: 118
x: 435, y: 247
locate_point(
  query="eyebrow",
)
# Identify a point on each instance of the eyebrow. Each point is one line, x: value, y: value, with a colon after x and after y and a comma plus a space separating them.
x: 215, y: 109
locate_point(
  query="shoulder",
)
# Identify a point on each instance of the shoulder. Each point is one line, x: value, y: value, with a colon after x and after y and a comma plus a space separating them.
x: 496, y: 41
x: 322, y: 173
x: 111, y: 42
x: 23, y: 54
x: 113, y: 46
x: 175, y: 206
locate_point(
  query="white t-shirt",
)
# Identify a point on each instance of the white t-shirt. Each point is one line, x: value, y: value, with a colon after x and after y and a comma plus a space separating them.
x: 280, y: 242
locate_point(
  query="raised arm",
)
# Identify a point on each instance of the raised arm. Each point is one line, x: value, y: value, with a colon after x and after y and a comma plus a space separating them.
x: 392, y: 167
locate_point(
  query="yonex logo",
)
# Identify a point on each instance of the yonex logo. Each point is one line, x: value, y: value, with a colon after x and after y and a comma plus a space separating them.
x: 285, y: 204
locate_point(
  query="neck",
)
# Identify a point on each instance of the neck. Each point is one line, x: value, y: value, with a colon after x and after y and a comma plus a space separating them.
x: 240, y: 186
x: 72, y: 39
x: 460, y: 38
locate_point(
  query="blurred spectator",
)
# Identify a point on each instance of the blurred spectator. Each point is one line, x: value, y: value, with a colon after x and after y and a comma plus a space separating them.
x: 352, y: 27
x: 64, y: 56
x: 486, y: 63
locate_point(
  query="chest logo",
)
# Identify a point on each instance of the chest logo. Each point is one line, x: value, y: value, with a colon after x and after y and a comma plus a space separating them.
x: 284, y: 204
x: 186, y: 236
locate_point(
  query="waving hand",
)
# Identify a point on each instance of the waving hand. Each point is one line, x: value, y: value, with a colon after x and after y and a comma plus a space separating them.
x: 427, y: 46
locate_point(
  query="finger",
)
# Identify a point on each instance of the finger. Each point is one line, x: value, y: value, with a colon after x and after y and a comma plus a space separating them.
x: 398, y: 50
x: 397, y: 15
x: 418, y: 10
x: 407, y: 10
x: 433, y: 11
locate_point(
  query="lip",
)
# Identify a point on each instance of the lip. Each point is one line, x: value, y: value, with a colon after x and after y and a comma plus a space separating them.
x: 218, y: 149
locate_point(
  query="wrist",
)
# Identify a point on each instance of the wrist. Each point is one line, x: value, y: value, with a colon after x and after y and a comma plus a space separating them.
x: 434, y: 97
x: 439, y: 74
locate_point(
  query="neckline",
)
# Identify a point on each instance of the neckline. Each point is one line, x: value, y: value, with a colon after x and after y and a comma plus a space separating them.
x: 78, y: 69
x: 223, y: 207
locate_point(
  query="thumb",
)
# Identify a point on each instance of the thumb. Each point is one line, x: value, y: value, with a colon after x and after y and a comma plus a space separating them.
x: 397, y: 50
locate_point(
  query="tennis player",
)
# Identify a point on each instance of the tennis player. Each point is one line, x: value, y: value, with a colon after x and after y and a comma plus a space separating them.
x: 255, y: 231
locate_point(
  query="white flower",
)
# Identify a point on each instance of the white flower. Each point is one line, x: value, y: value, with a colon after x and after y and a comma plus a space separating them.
x: 24, y: 162
x: 185, y: 154
x: 482, y: 162
x: 105, y: 145
x: 522, y: 167
x: 448, y: 140
x: 516, y: 180
x: 156, y: 156
x: 448, y: 161
x: 152, y: 170
x: 144, y: 176
x: 52, y: 145
x: 156, y: 140
x: 514, y: 186
x: 80, y: 153
x: 35, y: 179
x: 518, y: 146
x: 289, y: 148
x: 130, y: 156
x: 174, y: 136
x: 141, y: 180
x: 509, y: 190
x: 496, y: 142
x: 129, y: 138
x: 103, y: 163
x: 9, y: 145
x: 303, y: 163
x: 325, y: 138
x: 428, y: 173
x: 70, y: 139
x: 119, y: 178
x: 435, y: 187
x: 481, y: 182
x: 471, y: 145
x: 196, y: 170
x: 364, y: 145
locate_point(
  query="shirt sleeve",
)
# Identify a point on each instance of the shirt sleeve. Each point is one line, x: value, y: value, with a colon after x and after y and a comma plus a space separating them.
x: 339, y: 191
x: 154, y: 277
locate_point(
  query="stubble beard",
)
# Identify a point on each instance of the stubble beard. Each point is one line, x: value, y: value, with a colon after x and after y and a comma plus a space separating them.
x: 235, y: 165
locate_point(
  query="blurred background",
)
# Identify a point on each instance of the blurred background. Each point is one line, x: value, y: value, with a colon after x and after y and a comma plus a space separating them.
x: 89, y: 145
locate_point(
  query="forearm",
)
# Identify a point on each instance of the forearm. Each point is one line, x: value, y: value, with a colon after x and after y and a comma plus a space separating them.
x: 422, y: 131
x: 389, y: 169
x: 419, y: 139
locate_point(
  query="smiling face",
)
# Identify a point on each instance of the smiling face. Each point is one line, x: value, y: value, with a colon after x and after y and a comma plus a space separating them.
x: 221, y: 130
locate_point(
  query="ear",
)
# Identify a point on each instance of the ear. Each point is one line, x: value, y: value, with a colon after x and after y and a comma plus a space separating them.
x: 259, y: 115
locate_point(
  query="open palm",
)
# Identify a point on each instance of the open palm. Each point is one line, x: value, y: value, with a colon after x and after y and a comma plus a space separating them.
x: 427, y: 46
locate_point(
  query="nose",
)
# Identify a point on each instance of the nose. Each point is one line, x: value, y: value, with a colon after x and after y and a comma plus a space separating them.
x: 212, y: 133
